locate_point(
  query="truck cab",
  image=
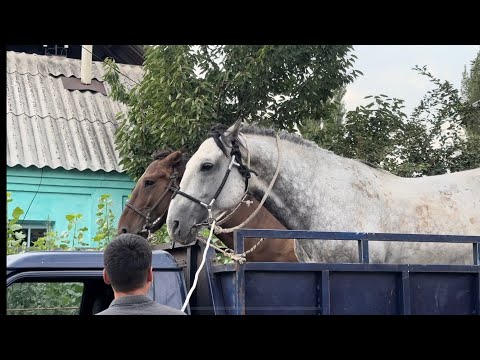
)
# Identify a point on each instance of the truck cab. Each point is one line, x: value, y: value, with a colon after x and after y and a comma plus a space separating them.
x: 71, y: 283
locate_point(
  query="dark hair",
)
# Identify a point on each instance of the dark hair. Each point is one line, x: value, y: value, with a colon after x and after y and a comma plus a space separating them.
x: 127, y: 260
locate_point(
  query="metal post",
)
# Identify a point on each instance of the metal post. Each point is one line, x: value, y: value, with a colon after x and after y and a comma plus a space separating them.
x: 239, y: 275
x: 325, y: 292
x: 476, y: 254
x: 363, y: 251
x: 405, y: 285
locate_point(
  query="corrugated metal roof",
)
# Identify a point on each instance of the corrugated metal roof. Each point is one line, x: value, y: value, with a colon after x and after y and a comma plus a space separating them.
x: 48, y: 125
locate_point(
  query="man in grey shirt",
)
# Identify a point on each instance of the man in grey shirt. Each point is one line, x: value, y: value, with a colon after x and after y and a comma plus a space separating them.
x: 128, y: 269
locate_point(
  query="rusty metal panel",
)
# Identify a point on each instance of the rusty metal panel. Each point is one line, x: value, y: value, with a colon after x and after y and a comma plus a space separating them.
x: 73, y: 83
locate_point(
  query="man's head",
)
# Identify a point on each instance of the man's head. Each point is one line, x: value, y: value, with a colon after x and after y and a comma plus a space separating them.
x: 128, y: 265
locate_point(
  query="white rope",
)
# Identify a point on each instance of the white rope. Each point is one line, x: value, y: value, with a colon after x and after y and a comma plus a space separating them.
x: 194, y: 285
x: 241, y: 258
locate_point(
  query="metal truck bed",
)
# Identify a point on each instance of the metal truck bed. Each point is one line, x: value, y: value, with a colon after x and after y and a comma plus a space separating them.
x: 346, y: 289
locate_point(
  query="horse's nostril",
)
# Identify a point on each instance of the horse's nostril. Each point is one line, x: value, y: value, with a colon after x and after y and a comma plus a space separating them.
x: 175, y: 225
x: 124, y: 230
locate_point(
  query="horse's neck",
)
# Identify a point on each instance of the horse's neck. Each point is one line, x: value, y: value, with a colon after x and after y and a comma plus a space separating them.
x: 310, y: 181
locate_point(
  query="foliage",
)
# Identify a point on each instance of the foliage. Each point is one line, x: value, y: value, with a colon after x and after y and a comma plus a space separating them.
x: 188, y: 89
x: 471, y: 94
x: 471, y: 81
x: 433, y: 140
x: 14, y: 235
x: 106, y: 230
x: 219, y: 257
x: 54, y: 298
x: 64, y: 241
x: 35, y: 298
x: 160, y: 236
x: 370, y: 131
x: 69, y: 239
x: 326, y: 130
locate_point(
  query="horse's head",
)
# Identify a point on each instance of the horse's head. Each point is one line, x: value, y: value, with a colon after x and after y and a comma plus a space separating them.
x: 146, y: 209
x: 207, y: 177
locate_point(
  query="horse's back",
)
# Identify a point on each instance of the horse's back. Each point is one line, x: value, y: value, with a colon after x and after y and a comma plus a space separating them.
x: 446, y: 204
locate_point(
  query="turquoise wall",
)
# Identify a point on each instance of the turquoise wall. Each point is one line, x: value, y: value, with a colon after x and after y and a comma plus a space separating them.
x: 64, y: 192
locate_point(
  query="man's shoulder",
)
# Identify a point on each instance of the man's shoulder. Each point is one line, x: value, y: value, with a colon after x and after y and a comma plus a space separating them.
x: 107, y: 311
x: 165, y: 310
x: 150, y: 308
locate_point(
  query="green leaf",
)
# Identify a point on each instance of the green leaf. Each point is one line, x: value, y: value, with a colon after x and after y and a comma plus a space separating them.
x: 20, y: 236
x: 17, y: 212
x: 15, y: 227
x: 70, y: 217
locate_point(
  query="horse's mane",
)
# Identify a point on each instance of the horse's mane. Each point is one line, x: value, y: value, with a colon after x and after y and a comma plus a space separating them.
x: 218, y: 130
x: 282, y: 134
x: 370, y: 164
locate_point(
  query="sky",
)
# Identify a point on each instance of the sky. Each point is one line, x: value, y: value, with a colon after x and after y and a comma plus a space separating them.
x: 387, y: 69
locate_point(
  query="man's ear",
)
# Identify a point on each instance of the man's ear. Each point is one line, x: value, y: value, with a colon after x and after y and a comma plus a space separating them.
x: 150, y: 274
x: 105, y: 277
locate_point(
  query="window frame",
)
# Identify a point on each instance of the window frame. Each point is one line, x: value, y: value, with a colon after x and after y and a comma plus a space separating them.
x: 84, y: 276
x: 33, y: 224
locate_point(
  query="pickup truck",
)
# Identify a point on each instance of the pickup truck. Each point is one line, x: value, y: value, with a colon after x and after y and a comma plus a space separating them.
x: 255, y: 288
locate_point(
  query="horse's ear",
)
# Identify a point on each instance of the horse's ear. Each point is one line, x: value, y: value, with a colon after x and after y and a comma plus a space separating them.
x: 174, y: 158
x: 161, y: 154
x: 232, y: 132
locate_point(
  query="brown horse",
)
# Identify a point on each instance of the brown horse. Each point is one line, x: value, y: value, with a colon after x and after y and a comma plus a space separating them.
x: 151, y: 197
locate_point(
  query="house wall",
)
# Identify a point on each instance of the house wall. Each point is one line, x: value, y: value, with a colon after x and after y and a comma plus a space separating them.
x: 63, y: 192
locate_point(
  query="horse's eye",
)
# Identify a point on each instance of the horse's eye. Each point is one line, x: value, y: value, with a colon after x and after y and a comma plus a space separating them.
x: 149, y: 183
x: 206, y: 166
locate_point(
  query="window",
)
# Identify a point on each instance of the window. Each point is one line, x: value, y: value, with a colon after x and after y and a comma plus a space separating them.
x: 44, y: 298
x: 32, y: 232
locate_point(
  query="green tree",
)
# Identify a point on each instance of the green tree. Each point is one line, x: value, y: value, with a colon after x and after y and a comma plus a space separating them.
x: 188, y: 89
x: 471, y: 94
x: 326, y: 130
x: 471, y: 81
x: 433, y: 140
